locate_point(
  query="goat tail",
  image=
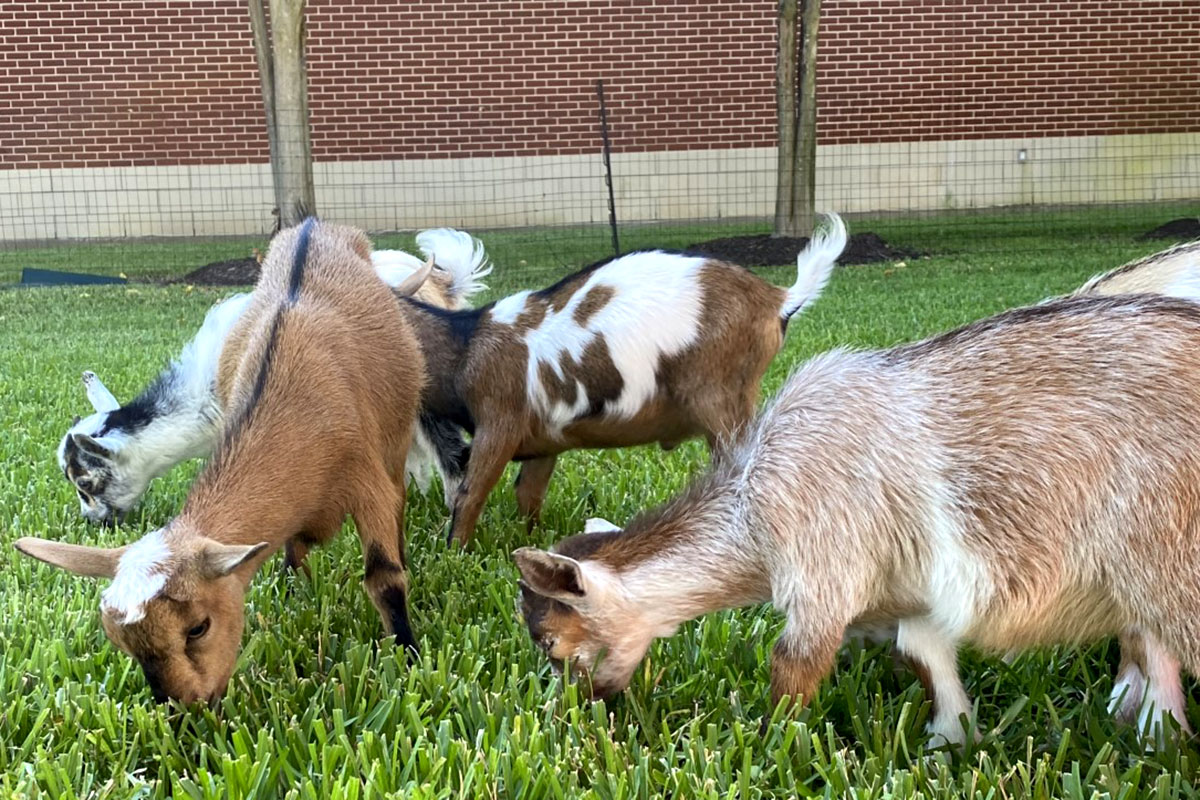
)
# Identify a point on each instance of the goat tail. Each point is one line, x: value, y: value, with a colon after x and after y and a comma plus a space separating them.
x: 462, y: 257
x: 1174, y: 272
x: 814, y: 266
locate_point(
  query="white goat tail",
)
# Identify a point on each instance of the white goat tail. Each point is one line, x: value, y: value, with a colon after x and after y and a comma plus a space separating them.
x: 461, y: 255
x: 814, y: 266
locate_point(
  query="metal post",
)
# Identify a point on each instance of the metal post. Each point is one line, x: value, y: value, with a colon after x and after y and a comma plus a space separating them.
x: 612, y: 203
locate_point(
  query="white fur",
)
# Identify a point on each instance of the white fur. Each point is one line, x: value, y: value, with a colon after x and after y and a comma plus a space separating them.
x: 98, y: 394
x: 923, y: 638
x: 394, y: 266
x: 188, y: 418
x: 958, y: 583
x: 654, y: 313
x: 461, y: 255
x: 1152, y: 696
x: 141, y: 575
x: 598, y: 525
x: 507, y: 310
x: 814, y: 265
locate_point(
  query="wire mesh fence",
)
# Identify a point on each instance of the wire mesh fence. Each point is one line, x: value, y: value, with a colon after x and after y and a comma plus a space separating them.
x: 540, y: 214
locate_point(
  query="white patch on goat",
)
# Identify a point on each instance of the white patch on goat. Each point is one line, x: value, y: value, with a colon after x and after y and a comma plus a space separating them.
x: 957, y: 580
x: 654, y: 312
x: 1186, y: 286
x: 599, y: 525
x: 922, y: 640
x: 141, y: 574
x: 1154, y: 695
x: 507, y: 310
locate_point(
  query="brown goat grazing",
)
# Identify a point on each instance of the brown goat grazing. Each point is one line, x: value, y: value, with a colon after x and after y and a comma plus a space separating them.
x: 1030, y: 479
x: 647, y: 347
x: 322, y: 379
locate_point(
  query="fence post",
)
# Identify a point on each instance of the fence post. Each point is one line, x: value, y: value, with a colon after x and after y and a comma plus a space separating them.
x: 612, y: 203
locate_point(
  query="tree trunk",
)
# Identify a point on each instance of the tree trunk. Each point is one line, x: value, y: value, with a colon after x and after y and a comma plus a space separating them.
x: 796, y: 98
x: 266, y: 80
x: 296, y: 199
x: 785, y: 110
x: 804, y: 188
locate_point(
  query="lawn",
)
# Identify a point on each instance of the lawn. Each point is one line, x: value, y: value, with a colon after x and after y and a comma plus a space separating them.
x: 319, y: 708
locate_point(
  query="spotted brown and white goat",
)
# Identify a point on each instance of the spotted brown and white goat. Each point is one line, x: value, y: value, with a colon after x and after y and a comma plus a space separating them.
x: 648, y: 347
x: 112, y: 455
x: 320, y: 344
x: 1030, y: 479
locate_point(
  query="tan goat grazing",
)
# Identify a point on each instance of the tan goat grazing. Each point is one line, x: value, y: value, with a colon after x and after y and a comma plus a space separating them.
x: 321, y: 378
x: 648, y: 347
x: 1030, y: 479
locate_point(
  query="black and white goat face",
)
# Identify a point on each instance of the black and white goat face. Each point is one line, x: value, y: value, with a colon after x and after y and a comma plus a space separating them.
x: 89, y: 456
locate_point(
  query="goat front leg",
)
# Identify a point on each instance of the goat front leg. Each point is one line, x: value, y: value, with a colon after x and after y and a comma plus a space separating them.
x: 933, y: 656
x: 490, y: 454
x: 532, y: 482
x: 380, y: 523
x: 294, y: 554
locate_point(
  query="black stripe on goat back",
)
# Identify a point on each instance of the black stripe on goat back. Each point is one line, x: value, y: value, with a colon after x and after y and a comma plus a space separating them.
x: 462, y: 323
x: 299, y: 260
x: 238, y: 423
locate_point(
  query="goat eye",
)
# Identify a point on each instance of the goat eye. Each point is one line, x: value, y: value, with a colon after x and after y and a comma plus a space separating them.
x: 196, y: 631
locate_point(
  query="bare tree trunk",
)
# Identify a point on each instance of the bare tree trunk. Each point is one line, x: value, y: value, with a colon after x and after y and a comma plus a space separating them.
x: 296, y: 199
x: 785, y: 109
x: 266, y: 79
x: 796, y: 106
x: 804, y: 187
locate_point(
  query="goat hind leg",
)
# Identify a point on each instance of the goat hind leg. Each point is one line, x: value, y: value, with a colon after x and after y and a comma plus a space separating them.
x: 799, y: 662
x: 490, y: 454
x: 380, y: 525
x: 1148, y: 688
x: 934, y: 657
x: 532, y: 482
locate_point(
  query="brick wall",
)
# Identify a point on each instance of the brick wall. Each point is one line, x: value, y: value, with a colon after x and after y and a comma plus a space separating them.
x: 146, y: 82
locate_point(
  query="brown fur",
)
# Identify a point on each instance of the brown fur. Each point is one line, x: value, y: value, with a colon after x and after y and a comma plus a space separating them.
x: 1030, y: 479
x: 322, y: 380
x: 710, y: 389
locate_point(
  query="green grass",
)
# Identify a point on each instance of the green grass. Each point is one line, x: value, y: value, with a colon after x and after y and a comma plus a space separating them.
x: 319, y: 708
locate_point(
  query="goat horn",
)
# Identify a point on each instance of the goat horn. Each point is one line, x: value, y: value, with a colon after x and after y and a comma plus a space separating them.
x: 414, y: 281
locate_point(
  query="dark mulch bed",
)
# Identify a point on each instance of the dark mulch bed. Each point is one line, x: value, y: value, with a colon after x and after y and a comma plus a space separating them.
x: 235, y: 272
x: 769, y: 251
x: 1183, y: 228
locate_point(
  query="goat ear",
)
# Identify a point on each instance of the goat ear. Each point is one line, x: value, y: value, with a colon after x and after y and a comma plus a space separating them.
x: 91, y: 446
x: 90, y: 562
x: 599, y: 525
x: 413, y: 282
x: 550, y: 574
x: 218, y: 560
x: 98, y: 394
